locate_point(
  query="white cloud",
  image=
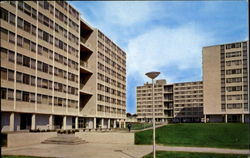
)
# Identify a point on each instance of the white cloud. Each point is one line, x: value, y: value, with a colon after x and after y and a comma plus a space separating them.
x: 163, y: 47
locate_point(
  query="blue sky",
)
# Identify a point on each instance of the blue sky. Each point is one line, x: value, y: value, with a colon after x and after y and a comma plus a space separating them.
x: 165, y: 36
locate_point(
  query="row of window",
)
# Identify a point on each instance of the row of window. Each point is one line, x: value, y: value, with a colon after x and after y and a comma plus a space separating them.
x: 234, y: 106
x: 111, y: 72
x: 188, y: 96
x: 111, y: 44
x: 110, y: 100
x: 233, y: 62
x: 39, y: 82
x: 233, y: 54
x: 108, y: 52
x: 111, y: 62
x: 188, y: 88
x: 31, y: 63
x: 108, y: 109
x: 110, y: 81
x: 110, y: 90
x: 233, y: 45
x: 233, y: 71
x: 234, y: 88
x: 189, y: 100
x: 7, y: 16
x: 8, y: 94
x: 234, y: 80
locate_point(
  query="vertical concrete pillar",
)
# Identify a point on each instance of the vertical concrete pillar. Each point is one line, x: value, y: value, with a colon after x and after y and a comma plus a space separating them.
x: 76, y: 122
x: 124, y: 125
x: 120, y: 123
x: 225, y: 118
x: 102, y: 123
x: 12, y: 121
x: 51, y: 122
x: 33, y: 121
x: 205, y: 118
x: 243, y: 118
x: 64, y: 122
x: 94, y: 123
x: 114, y: 125
x: 108, y: 123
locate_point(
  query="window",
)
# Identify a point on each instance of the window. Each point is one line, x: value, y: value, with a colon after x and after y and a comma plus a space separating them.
x: 27, y: 26
x: 39, y: 98
x: 3, y: 73
x: 26, y: 43
x: 11, y: 37
x: 26, y: 79
x: 19, y: 77
x: 32, y: 97
x: 4, y: 14
x: 26, y: 61
x: 4, y: 34
x: 10, y: 75
x: 10, y: 94
x: 18, y: 95
x: 33, y: 63
x: 3, y: 93
x: 12, y: 18
x: 4, y: 53
x: 26, y: 96
x: 39, y: 82
x: 33, y: 47
x: 19, y: 41
x: 20, y: 23
x: 33, y: 80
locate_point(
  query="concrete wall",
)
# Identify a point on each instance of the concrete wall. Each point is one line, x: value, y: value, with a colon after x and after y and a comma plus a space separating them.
x: 113, y: 138
x: 22, y: 139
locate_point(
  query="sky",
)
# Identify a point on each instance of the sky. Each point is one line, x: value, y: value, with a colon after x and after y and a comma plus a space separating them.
x: 165, y: 36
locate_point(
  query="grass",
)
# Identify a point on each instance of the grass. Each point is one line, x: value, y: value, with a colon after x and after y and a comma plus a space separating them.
x: 173, y: 154
x: 221, y: 135
x: 138, y: 126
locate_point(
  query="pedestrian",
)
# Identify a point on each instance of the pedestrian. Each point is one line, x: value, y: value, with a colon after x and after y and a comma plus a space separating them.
x: 129, y: 127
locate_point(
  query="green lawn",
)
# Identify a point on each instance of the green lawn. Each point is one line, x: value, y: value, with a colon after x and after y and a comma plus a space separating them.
x: 222, y: 135
x: 172, y: 154
x: 138, y: 126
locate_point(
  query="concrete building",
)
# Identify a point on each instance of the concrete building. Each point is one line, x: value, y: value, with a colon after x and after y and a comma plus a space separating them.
x: 178, y: 102
x: 225, y: 82
x: 57, y: 71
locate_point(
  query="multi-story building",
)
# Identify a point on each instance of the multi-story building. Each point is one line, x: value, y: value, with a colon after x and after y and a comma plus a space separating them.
x: 178, y: 102
x: 51, y: 72
x: 225, y: 81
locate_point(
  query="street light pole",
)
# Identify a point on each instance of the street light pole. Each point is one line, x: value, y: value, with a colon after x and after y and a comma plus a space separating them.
x: 153, y: 75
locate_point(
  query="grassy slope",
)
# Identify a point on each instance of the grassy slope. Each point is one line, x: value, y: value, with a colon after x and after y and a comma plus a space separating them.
x: 163, y: 154
x: 231, y: 135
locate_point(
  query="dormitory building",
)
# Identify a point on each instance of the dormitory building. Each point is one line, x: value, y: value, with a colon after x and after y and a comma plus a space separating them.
x: 221, y: 96
x: 57, y: 71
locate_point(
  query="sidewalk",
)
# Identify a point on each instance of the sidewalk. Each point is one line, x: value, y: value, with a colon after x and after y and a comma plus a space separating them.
x: 97, y: 150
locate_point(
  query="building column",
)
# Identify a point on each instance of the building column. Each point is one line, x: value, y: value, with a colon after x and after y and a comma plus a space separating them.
x: 124, y: 125
x: 64, y: 122
x: 120, y: 123
x: 243, y: 118
x: 108, y: 123
x: 12, y: 121
x: 102, y: 123
x: 114, y: 125
x: 76, y: 122
x: 205, y: 118
x: 51, y: 122
x: 33, y: 121
x: 225, y: 118
x: 94, y: 123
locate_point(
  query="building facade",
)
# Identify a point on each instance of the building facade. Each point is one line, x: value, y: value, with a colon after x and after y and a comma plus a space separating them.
x: 225, y: 81
x: 50, y: 70
x: 178, y: 102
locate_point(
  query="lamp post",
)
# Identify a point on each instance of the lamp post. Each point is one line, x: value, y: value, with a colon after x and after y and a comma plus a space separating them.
x: 153, y: 75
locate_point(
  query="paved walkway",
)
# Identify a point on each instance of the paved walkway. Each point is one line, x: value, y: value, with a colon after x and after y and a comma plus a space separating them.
x: 93, y: 150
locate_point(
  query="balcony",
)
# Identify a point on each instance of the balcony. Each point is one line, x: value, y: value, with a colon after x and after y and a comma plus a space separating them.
x: 85, y: 68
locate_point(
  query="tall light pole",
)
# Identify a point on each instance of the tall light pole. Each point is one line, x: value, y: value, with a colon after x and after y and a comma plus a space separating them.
x: 153, y: 75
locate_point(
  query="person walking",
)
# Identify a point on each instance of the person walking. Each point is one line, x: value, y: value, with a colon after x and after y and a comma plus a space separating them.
x: 129, y: 127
